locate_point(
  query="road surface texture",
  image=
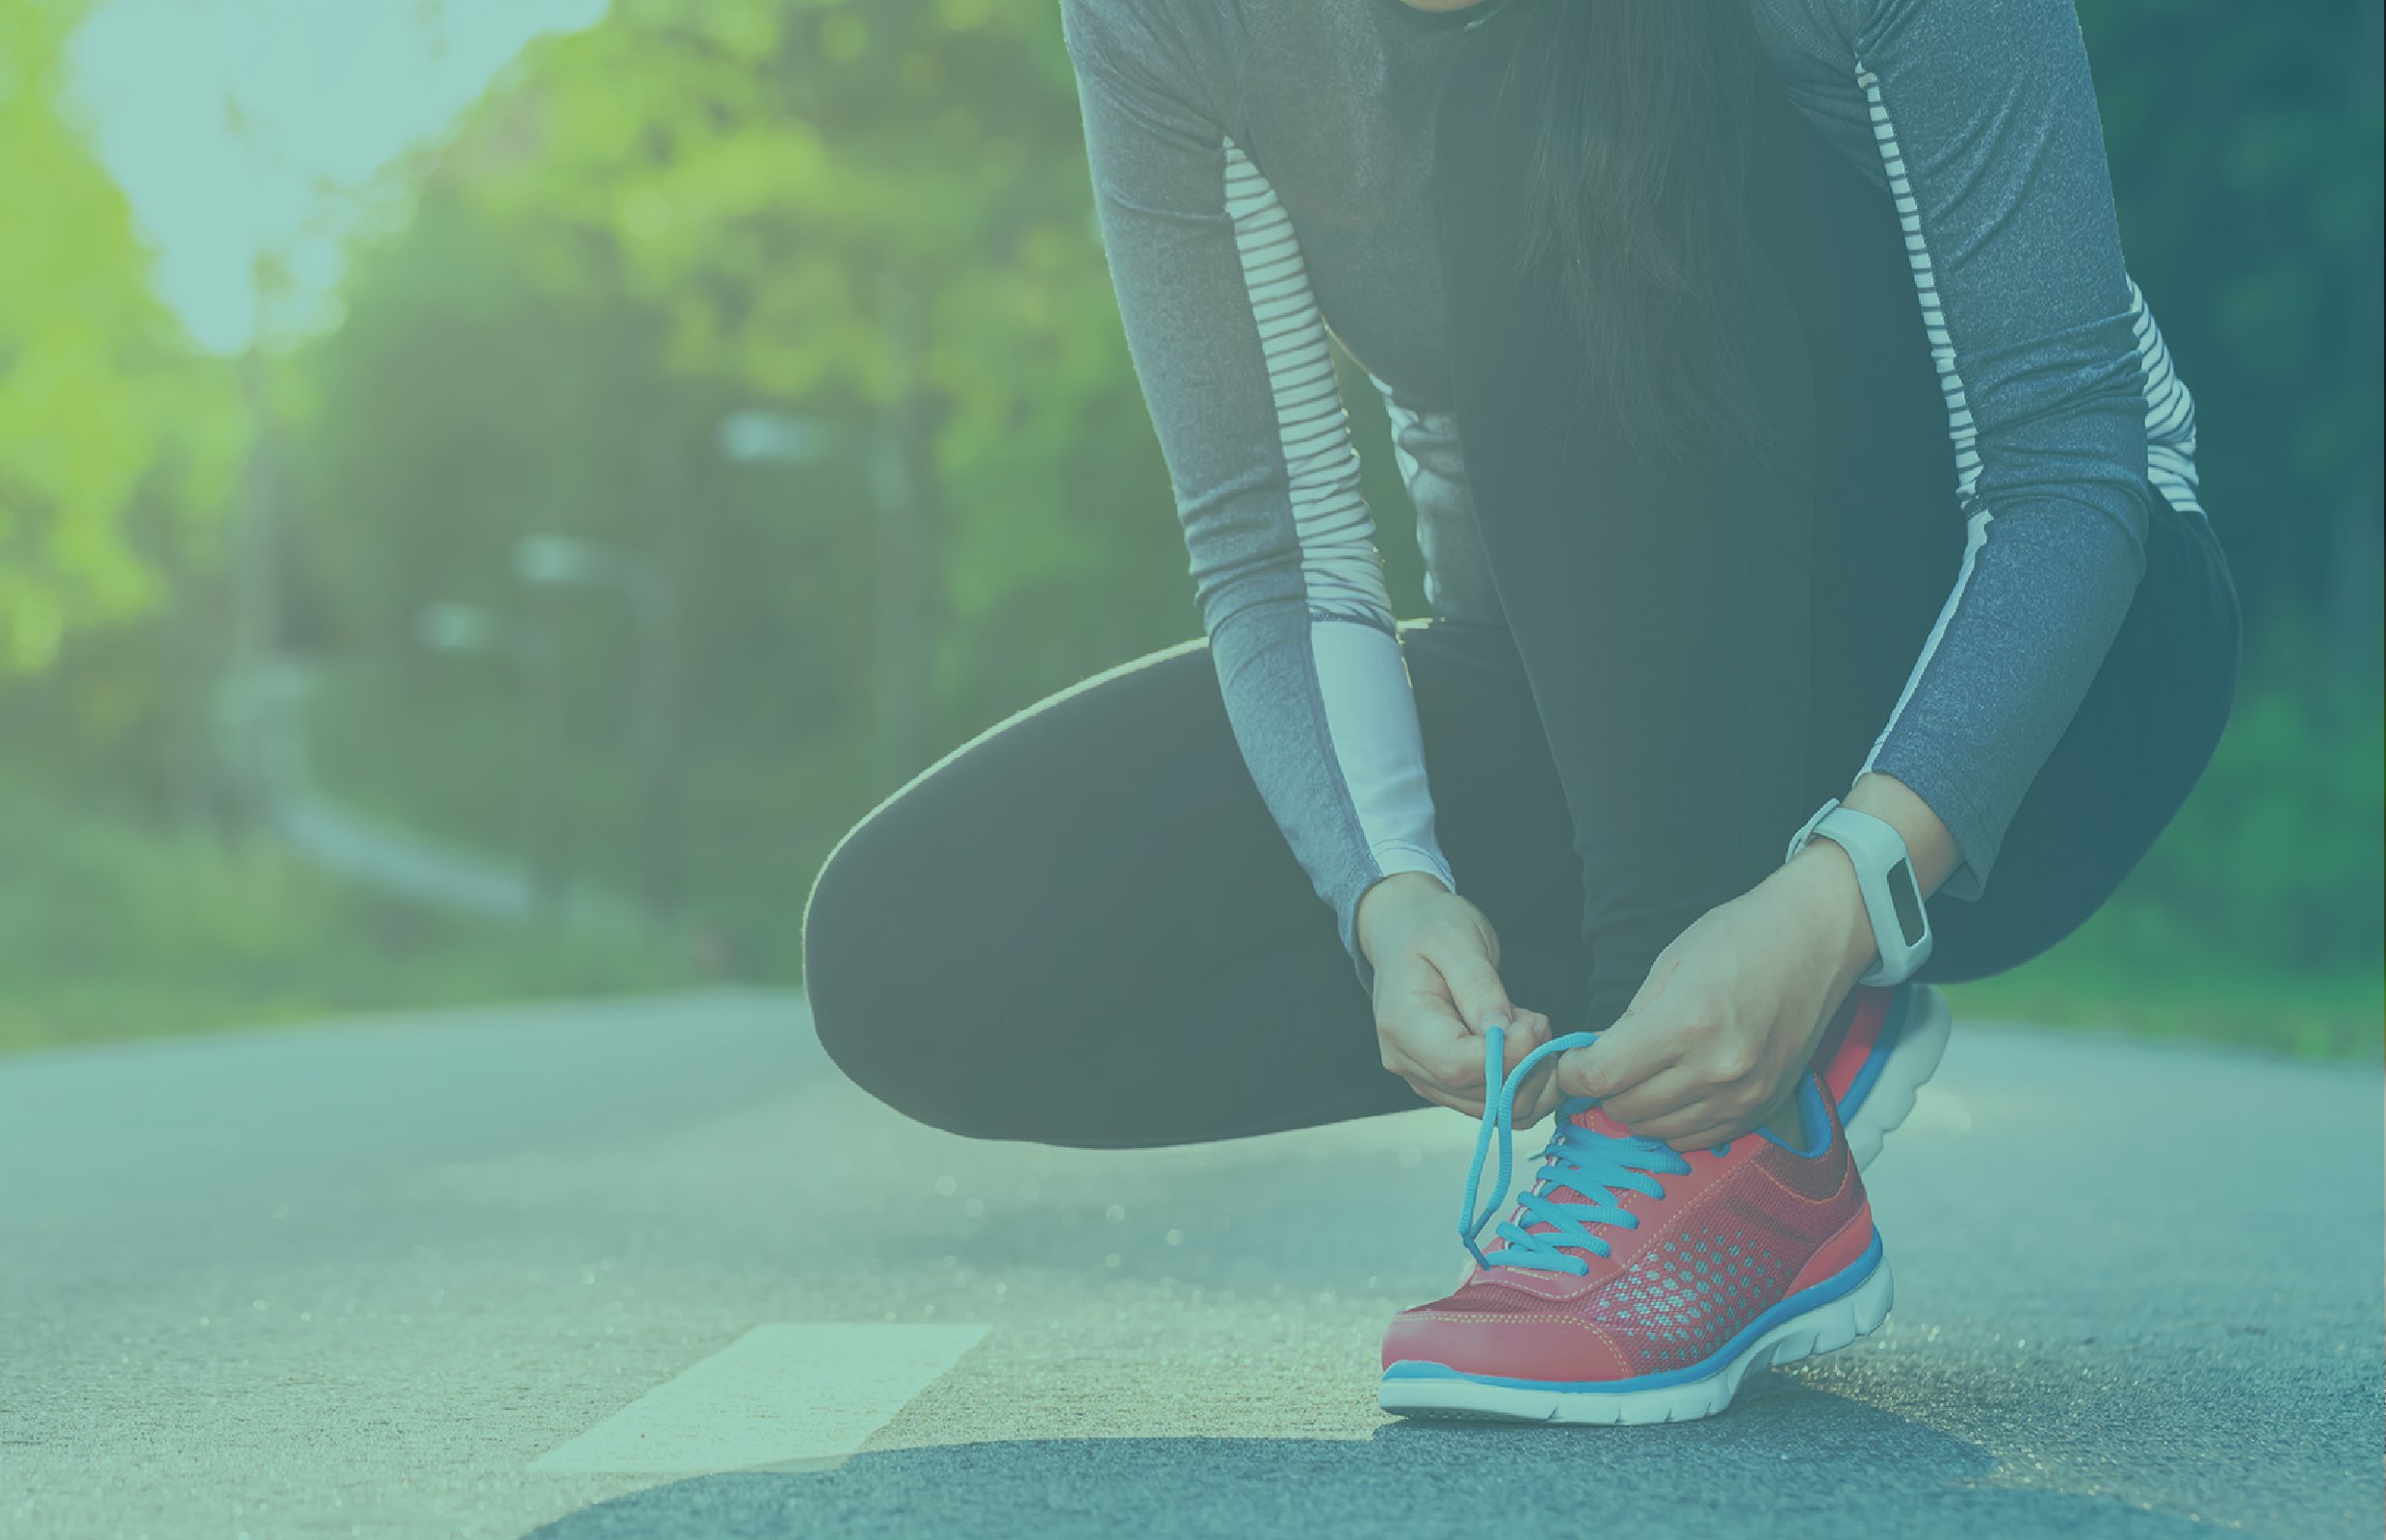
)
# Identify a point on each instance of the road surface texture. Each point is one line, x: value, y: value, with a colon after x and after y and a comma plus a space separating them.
x: 653, y: 1268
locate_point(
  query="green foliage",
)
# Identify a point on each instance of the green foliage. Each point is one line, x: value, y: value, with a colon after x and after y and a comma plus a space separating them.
x: 688, y: 210
x: 2331, y: 1015
x: 2275, y: 855
x: 2245, y: 143
x: 775, y: 177
x: 458, y: 406
x: 111, y: 435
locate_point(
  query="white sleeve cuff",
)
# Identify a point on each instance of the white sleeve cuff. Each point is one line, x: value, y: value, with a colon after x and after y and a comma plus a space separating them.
x: 1403, y: 855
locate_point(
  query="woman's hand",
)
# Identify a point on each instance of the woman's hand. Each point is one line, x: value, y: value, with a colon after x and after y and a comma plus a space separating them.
x: 1438, y: 989
x: 1731, y: 1011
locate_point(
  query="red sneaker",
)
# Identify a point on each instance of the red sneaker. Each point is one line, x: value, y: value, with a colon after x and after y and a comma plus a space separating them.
x: 1637, y: 1284
x: 1877, y: 1053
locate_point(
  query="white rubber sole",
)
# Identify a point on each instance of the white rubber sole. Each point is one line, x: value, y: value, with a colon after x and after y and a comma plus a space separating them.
x: 1825, y: 1329
x: 1921, y: 1043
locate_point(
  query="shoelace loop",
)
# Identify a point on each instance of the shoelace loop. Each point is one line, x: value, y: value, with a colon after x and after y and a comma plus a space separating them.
x: 1593, y: 1166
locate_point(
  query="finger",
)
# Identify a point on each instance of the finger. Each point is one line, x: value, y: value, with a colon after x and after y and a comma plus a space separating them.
x: 1415, y: 1015
x: 1473, y: 985
x: 1736, y: 1110
x: 1528, y: 1031
x: 1536, y: 1096
x: 1439, y: 1096
x: 1636, y: 1047
x: 1539, y: 1097
x: 1667, y: 1095
x: 1426, y: 1033
x: 1396, y: 1058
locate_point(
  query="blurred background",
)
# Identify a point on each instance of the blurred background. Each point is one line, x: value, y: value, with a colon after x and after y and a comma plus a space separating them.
x: 490, y: 490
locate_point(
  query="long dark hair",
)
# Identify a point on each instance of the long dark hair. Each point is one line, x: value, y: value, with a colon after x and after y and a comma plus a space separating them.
x: 1640, y: 134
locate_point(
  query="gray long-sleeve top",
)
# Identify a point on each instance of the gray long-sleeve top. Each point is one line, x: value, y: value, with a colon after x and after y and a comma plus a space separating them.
x: 1261, y: 171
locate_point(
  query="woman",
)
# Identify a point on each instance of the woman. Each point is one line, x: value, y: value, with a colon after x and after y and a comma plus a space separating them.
x: 1818, y: 448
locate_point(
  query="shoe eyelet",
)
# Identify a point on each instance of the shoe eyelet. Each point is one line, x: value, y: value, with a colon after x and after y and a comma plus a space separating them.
x: 1718, y: 1151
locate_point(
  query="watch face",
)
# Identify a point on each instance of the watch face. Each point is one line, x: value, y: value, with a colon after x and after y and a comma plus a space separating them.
x: 1906, y: 896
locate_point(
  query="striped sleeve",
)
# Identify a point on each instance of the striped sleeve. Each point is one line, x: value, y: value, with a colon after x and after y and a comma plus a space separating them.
x: 2066, y: 426
x: 1238, y: 372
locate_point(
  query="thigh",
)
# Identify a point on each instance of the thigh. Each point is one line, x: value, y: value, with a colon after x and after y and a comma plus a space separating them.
x: 1010, y: 945
x: 1084, y: 927
x: 2137, y: 746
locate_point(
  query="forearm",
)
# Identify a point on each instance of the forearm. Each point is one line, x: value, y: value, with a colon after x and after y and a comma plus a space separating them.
x: 1985, y: 119
x: 1236, y: 368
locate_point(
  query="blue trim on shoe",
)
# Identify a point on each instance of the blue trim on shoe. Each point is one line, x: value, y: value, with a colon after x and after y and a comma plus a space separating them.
x: 1885, y: 1043
x: 1840, y: 1284
x: 1817, y: 1121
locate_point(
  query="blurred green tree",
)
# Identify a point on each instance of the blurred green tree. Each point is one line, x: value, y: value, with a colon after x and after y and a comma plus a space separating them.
x: 117, y: 449
x: 2245, y: 144
x: 879, y: 213
x: 878, y: 222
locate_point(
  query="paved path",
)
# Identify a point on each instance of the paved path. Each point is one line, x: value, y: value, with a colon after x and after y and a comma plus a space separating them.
x: 578, y: 1270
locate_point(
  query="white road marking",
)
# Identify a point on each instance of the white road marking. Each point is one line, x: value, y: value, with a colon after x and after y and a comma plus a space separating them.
x: 778, y: 1394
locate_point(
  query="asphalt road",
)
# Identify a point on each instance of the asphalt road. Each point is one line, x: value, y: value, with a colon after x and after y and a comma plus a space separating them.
x: 456, y: 1276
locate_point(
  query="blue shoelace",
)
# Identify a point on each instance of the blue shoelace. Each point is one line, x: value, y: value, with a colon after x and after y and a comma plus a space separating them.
x: 1596, y: 1167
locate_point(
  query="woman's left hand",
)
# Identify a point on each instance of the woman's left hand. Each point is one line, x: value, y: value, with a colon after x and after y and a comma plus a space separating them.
x: 1732, y: 1010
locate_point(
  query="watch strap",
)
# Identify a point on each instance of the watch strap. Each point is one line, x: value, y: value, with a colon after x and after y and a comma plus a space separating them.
x: 1892, y: 895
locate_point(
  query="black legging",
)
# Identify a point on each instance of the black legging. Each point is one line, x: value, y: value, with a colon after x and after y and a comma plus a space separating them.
x: 1083, y: 927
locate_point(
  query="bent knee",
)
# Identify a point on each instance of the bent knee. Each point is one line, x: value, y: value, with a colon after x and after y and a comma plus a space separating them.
x: 881, y: 1015
x: 846, y: 944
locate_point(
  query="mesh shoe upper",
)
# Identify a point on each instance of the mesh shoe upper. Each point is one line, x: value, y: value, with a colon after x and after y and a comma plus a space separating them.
x: 1729, y: 1238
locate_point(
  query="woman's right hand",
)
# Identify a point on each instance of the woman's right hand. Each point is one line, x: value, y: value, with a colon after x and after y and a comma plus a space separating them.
x: 1438, y: 989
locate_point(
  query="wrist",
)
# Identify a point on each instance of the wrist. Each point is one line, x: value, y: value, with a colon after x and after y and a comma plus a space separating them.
x: 1827, y: 876
x: 1930, y: 848
x: 1387, y: 896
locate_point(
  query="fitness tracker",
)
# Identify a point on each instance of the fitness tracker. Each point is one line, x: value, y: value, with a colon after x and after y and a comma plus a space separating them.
x: 1885, y: 877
